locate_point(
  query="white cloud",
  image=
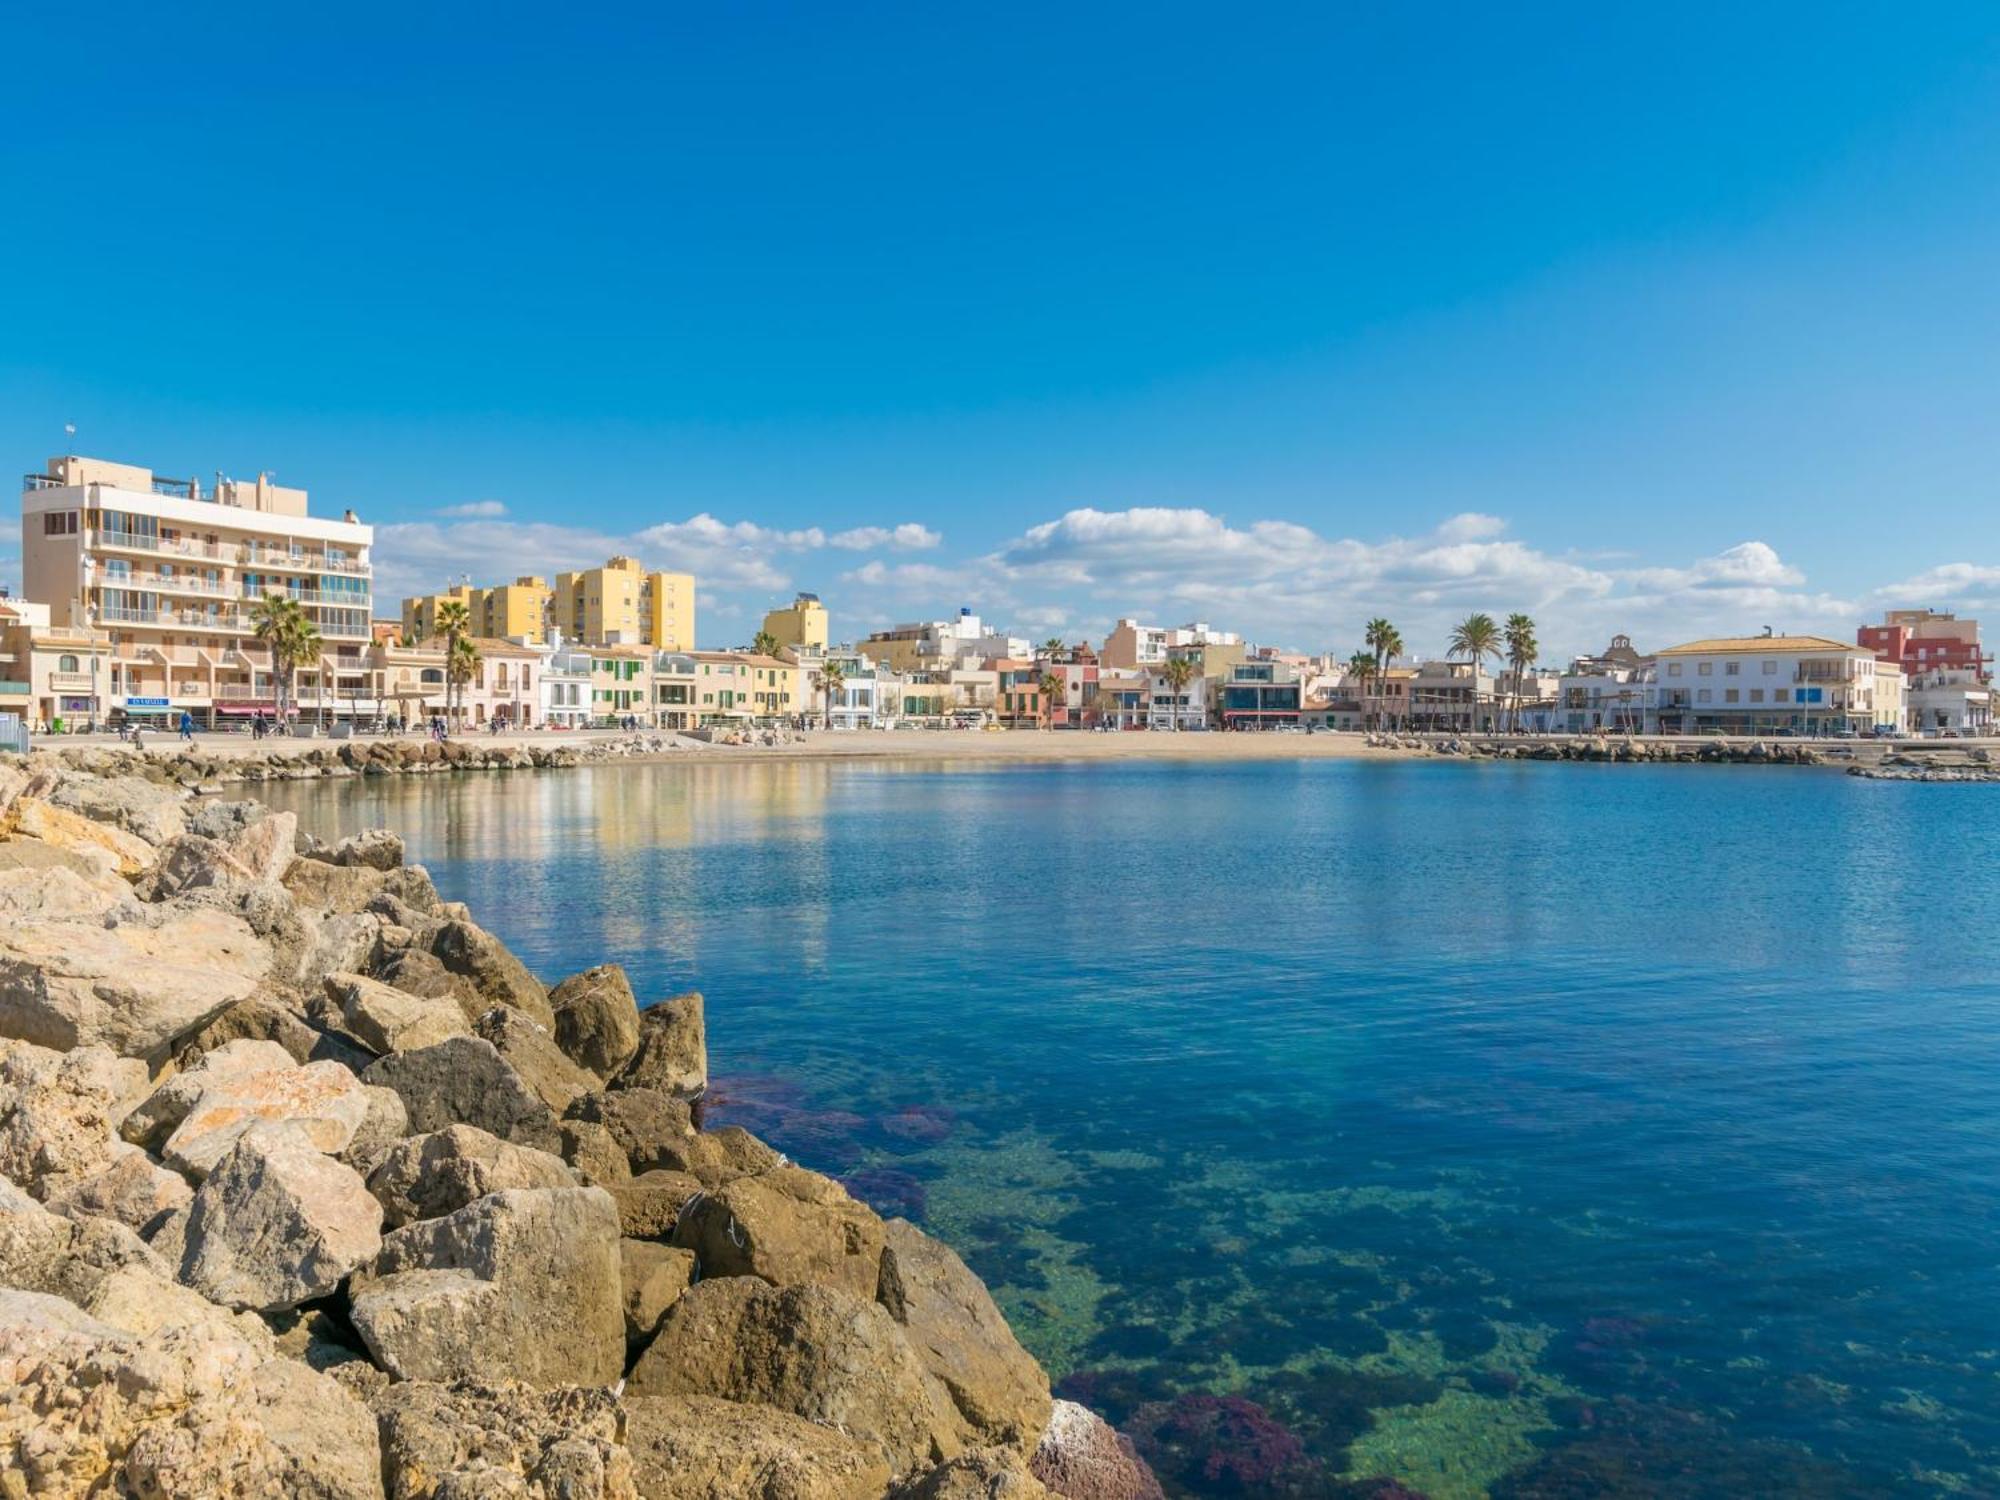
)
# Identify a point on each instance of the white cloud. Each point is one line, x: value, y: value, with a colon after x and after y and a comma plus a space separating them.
x: 1962, y: 583
x: 908, y: 537
x: 480, y: 509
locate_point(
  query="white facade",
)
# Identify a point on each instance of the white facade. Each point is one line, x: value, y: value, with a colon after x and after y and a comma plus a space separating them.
x: 1191, y: 708
x: 1764, y: 685
x: 565, y: 696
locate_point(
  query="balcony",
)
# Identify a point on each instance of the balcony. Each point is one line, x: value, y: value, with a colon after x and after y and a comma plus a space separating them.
x: 147, y: 583
x: 287, y: 561
x: 186, y: 619
x: 132, y: 541
x: 306, y: 596
x: 71, y: 682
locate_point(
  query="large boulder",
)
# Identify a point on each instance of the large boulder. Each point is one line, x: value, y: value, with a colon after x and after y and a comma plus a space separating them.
x: 69, y: 1258
x: 160, y: 1113
x: 651, y: 1128
x: 982, y: 1474
x: 813, y: 1351
x: 1000, y: 1392
x: 421, y: 972
x: 672, y: 1054
x: 56, y: 1117
x: 465, y: 1081
x: 597, y: 1019
x: 267, y: 1018
x: 144, y: 809
x: 653, y: 1276
x: 650, y: 1204
x: 701, y: 1448
x: 278, y: 1223
x: 135, y: 989
x: 429, y: 1176
x: 1083, y: 1457
x: 59, y: 894
x: 529, y: 1277
x: 498, y: 976
x: 789, y: 1227
x: 88, y: 1409
x: 532, y: 1052
x: 134, y: 1190
x: 502, y: 1438
x: 371, y: 849
x: 387, y: 1019
x: 322, y: 1100
x: 330, y: 889
x: 105, y: 846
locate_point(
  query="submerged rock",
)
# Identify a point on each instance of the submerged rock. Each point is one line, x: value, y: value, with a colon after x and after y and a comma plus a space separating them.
x: 1082, y: 1457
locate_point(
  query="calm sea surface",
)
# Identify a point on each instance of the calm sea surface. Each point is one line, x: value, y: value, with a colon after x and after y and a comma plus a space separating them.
x: 1497, y: 1129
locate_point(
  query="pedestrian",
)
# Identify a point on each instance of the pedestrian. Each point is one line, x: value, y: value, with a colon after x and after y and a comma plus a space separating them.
x: 187, y: 726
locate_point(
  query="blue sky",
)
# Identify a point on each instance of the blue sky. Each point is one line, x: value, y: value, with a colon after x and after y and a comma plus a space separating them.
x: 1658, y: 319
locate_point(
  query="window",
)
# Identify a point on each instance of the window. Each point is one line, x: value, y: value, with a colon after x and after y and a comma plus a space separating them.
x: 1673, y: 669
x: 1706, y: 669
x: 1756, y: 695
x: 59, y: 523
x: 1781, y: 695
x: 1733, y: 669
x: 1730, y: 695
x: 1770, y: 669
x: 66, y: 664
x: 1703, y: 695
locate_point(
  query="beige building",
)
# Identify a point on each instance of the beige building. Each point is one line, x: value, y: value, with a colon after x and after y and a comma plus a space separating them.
x: 801, y: 627
x: 506, y: 611
x: 622, y: 604
x: 154, y: 580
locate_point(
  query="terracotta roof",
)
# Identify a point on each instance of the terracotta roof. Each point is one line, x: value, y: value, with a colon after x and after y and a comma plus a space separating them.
x: 1724, y: 644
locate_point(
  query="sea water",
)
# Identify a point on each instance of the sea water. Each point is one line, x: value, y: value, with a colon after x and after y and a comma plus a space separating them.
x: 1511, y: 1129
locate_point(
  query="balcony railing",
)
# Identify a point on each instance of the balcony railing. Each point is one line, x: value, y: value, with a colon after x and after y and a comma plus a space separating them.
x: 185, y: 618
x: 132, y: 541
x: 148, y: 583
x: 301, y: 562
x: 40, y: 482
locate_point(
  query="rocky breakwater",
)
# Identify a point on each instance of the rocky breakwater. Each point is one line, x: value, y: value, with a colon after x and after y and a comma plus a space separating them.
x: 309, y: 1187
x: 1618, y: 749
x: 196, y: 768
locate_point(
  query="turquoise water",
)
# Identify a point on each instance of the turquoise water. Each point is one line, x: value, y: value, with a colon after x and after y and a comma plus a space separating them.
x: 1509, y: 1129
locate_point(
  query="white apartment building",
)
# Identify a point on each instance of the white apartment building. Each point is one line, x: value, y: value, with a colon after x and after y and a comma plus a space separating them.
x: 164, y: 575
x: 1133, y: 645
x: 565, y: 696
x: 938, y: 644
x: 1766, y: 684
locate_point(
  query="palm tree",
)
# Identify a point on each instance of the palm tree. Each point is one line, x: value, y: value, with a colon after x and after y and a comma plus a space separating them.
x: 1179, y: 672
x: 1361, y: 667
x: 1052, y: 687
x: 1475, y: 638
x: 830, y: 679
x: 1522, y: 649
x: 281, y: 624
x: 454, y: 622
x: 461, y: 662
x: 1052, y: 647
x: 1386, y: 642
x: 764, y: 643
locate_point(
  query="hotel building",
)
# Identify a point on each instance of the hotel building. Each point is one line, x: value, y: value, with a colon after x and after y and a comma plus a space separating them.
x: 1762, y: 684
x: 153, y: 581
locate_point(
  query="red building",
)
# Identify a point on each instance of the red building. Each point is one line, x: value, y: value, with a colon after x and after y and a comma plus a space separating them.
x: 1923, y: 641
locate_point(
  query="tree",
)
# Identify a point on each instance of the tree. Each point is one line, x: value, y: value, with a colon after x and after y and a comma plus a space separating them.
x: 281, y: 624
x: 764, y: 643
x: 1052, y: 688
x: 1522, y: 649
x: 461, y: 662
x: 1179, y: 672
x: 1386, y: 642
x: 1475, y: 638
x: 1360, y: 667
x: 830, y: 679
x: 454, y: 622
x: 1052, y: 647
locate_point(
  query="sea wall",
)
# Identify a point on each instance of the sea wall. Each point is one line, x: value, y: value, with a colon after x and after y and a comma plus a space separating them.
x: 1863, y: 757
x: 309, y: 1187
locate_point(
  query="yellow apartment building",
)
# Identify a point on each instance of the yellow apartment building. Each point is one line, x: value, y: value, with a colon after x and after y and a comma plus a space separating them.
x: 622, y: 604
x: 800, y: 627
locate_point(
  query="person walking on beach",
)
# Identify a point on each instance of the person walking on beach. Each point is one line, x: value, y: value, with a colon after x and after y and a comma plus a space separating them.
x: 187, y: 727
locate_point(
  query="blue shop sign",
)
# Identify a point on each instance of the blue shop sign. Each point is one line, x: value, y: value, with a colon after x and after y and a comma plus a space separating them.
x: 145, y: 703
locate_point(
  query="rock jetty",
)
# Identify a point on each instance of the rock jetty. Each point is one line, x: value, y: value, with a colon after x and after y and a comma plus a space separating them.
x: 309, y: 1187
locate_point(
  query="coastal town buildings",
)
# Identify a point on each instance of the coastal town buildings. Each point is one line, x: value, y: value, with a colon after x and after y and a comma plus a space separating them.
x: 622, y: 604
x: 151, y: 582
x: 941, y: 644
x: 1262, y: 694
x: 516, y: 611
x: 565, y: 688
x: 1131, y: 644
x: 800, y: 626
x: 1764, y: 684
x: 1947, y: 671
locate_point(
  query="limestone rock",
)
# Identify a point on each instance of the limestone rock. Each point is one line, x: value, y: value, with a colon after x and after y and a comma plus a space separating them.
x: 672, y: 1054
x: 429, y: 1176
x: 532, y: 1052
x: 653, y: 1276
x: 1000, y: 1391
x: 392, y: 1020
x: 69, y: 1258
x: 58, y: 895
x: 263, y: 1017
x: 421, y: 972
x: 322, y: 1099
x: 373, y: 849
x: 502, y: 1438
x: 595, y: 1154
x: 105, y: 845
x: 156, y: 1117
x: 216, y: 819
x: 597, y: 1019
x: 383, y: 1126
x: 151, y: 812
x: 87, y: 1409
x: 320, y: 886
x: 134, y: 1190
x: 497, y: 975
x: 789, y: 1227
x: 278, y: 1223
x: 700, y: 1448
x: 526, y: 1276
x: 650, y: 1204
x: 465, y: 1081
x: 809, y: 1350
x: 651, y: 1128
x: 56, y: 1122
x: 983, y: 1474
x: 136, y: 1300
x: 1082, y: 1457
x: 136, y: 990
